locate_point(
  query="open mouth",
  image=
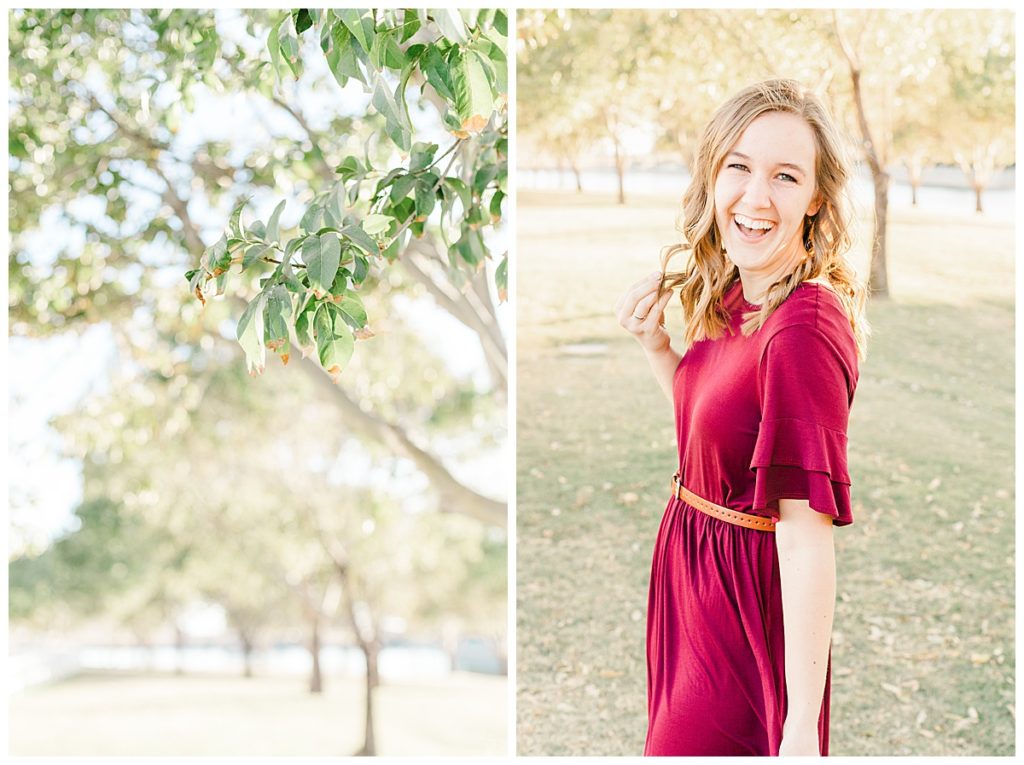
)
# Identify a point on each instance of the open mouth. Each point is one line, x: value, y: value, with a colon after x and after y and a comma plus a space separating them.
x: 752, y: 229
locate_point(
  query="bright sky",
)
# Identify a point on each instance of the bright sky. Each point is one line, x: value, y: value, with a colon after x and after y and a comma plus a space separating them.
x: 48, y: 377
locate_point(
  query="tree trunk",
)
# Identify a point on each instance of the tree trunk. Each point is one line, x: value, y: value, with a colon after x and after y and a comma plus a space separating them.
x: 879, y: 272
x: 620, y: 171
x: 179, y: 650
x: 978, y: 188
x: 913, y: 192
x: 370, y: 652
x: 246, y: 654
x: 576, y: 172
x: 879, y: 285
x: 315, y: 678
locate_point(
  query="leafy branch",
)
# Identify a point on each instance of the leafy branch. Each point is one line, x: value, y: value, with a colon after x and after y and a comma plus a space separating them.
x: 314, y: 302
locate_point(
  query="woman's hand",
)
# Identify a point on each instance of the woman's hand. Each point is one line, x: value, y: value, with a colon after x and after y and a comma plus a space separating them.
x: 642, y: 313
x: 799, y: 740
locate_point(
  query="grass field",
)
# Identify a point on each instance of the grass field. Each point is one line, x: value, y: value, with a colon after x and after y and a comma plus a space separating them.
x: 151, y: 714
x: 923, y: 643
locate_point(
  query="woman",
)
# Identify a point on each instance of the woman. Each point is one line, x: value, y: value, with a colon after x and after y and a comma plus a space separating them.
x: 743, y: 578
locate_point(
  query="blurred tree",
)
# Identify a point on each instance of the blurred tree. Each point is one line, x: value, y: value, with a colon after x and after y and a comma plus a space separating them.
x: 101, y: 144
x: 579, y: 71
x: 297, y: 534
x: 977, y: 53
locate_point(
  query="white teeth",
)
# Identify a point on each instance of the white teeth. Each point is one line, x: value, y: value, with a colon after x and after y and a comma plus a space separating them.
x: 752, y: 223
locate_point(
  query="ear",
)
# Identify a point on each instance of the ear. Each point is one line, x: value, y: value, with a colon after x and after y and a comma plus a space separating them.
x: 816, y: 204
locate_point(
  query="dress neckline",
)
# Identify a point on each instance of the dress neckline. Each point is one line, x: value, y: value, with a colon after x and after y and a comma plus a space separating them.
x: 738, y: 286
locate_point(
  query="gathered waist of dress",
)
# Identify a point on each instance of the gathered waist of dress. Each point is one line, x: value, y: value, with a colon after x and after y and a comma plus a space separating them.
x: 734, y: 517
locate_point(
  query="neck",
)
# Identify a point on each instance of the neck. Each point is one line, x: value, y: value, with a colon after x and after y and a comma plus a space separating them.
x: 756, y: 283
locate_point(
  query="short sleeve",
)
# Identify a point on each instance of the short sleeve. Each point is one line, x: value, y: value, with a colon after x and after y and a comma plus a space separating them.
x: 805, y: 386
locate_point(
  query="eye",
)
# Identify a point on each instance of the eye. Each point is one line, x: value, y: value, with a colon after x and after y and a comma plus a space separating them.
x: 787, y: 176
x: 738, y: 166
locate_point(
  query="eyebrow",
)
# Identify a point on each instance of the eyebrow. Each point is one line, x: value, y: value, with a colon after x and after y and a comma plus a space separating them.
x: 778, y: 164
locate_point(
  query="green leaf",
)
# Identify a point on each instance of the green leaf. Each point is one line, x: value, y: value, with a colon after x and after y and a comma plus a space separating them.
x: 453, y: 185
x: 474, y: 99
x: 410, y: 25
x: 349, y: 168
x: 422, y: 155
x: 342, y: 59
x: 450, y: 22
x: 216, y: 259
x: 274, y: 45
x: 334, y: 340
x: 273, y: 232
x: 376, y: 224
x: 290, y: 47
x: 322, y: 256
x: 385, y: 52
x: 352, y: 311
x: 254, y: 254
x: 304, y: 321
x: 294, y: 244
x: 497, y: 64
x: 426, y: 197
x: 501, y: 279
x: 235, y: 220
x: 470, y: 247
x: 401, y: 187
x: 361, y: 239
x: 359, y: 23
x: 501, y: 22
x: 360, y: 269
x: 277, y: 311
x: 340, y: 284
x: 495, y: 208
x: 434, y: 67
x: 312, y: 217
x: 303, y: 21
x: 250, y: 335
x: 256, y: 231
x: 396, y: 125
x: 334, y: 206
x: 482, y: 177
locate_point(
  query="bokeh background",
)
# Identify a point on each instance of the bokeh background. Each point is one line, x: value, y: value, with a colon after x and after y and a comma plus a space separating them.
x: 201, y: 562
x: 610, y: 103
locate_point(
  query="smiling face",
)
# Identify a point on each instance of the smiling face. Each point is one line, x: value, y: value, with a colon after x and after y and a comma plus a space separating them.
x: 764, y: 188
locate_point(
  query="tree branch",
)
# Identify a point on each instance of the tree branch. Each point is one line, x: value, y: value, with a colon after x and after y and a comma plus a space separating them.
x: 455, y: 497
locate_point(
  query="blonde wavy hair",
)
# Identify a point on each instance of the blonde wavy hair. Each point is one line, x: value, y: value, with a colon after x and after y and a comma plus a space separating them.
x: 708, y: 273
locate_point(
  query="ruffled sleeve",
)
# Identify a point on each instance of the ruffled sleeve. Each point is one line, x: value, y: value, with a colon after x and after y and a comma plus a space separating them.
x: 805, y: 384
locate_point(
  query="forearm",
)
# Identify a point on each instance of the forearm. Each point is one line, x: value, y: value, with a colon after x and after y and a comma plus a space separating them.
x: 808, y: 573
x: 664, y: 363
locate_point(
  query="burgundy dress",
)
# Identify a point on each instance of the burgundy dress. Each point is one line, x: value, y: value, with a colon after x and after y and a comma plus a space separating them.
x: 758, y: 418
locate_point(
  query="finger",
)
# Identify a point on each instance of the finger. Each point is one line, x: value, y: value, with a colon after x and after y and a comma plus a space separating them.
x: 626, y: 308
x: 643, y: 307
x: 656, y: 315
x: 639, y: 291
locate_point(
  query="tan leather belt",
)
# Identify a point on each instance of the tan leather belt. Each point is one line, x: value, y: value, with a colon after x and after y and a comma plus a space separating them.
x: 717, y: 511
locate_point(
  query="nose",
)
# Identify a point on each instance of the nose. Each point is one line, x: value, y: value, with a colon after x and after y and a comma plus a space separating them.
x: 755, y: 193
